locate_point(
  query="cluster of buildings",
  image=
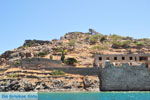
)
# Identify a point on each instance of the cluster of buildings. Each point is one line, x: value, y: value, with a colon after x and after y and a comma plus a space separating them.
x: 119, y: 59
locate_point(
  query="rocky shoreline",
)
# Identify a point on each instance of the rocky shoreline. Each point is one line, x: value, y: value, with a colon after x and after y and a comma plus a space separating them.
x: 53, y: 84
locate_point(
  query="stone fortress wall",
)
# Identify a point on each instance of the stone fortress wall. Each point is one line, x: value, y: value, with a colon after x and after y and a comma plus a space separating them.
x: 39, y: 63
x: 124, y: 78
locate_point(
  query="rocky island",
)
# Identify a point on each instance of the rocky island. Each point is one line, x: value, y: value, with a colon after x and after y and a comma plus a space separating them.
x: 64, y: 64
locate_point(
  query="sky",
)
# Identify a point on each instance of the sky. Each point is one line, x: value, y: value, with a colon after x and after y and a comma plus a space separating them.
x: 51, y: 19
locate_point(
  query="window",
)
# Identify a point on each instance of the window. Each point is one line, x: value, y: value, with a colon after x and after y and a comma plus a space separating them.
x: 143, y: 58
x: 135, y: 59
x: 123, y: 58
x: 115, y: 58
x: 131, y: 58
x: 147, y: 65
x: 100, y: 58
x: 107, y: 58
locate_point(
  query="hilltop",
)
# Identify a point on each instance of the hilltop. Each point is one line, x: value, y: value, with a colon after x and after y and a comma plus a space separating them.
x: 78, y: 45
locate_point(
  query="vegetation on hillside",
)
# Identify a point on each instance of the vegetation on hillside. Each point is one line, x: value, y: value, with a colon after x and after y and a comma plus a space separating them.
x: 77, y: 48
x: 70, y: 61
x: 57, y: 72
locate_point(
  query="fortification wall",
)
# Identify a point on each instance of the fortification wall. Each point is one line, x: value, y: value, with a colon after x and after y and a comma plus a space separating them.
x: 125, y: 78
x: 39, y: 63
x: 35, y: 42
x: 80, y: 71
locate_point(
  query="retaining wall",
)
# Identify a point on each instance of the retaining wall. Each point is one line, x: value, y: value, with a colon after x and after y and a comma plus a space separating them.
x: 124, y: 78
x: 40, y: 62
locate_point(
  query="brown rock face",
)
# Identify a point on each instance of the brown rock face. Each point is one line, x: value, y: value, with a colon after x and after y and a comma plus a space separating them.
x: 51, y: 84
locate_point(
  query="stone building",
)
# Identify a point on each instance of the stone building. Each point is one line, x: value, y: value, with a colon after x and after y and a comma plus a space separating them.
x: 119, y: 59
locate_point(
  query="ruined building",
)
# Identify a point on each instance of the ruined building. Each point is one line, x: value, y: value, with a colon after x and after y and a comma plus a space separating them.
x: 124, y: 72
x: 119, y: 59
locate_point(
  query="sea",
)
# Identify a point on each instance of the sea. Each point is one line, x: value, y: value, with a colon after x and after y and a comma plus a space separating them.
x: 95, y: 96
x: 75, y: 96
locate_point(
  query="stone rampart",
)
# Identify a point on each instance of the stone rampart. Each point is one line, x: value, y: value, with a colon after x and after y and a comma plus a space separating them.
x: 39, y: 63
x: 124, y: 78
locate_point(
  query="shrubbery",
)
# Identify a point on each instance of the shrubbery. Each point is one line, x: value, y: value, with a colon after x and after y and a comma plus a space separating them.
x: 139, y: 43
x: 116, y: 37
x: 63, y: 53
x: 51, y: 57
x: 72, y: 42
x: 94, y: 38
x: 57, y: 72
x: 70, y: 61
x: 121, y: 44
x: 42, y: 54
x: 17, y: 63
x: 103, y: 38
x: 13, y: 75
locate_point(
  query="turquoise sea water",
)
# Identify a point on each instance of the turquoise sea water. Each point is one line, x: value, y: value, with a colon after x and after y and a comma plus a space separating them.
x: 96, y: 96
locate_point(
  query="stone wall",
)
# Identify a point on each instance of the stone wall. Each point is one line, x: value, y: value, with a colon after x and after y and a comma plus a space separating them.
x: 124, y: 78
x: 35, y: 42
x: 78, y: 71
x: 39, y: 63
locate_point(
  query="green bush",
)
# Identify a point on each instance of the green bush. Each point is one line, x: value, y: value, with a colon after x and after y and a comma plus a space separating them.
x: 62, y: 58
x: 57, y: 72
x: 13, y: 75
x: 121, y: 44
x: 139, y: 43
x: 61, y: 50
x: 42, y: 54
x: 51, y: 57
x: 63, y: 53
x: 94, y: 38
x: 70, y: 61
x: 103, y: 38
x: 72, y: 42
x: 17, y: 63
x: 116, y: 37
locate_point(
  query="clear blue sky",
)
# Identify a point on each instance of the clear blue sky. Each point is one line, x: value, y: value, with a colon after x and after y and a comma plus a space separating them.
x: 49, y: 19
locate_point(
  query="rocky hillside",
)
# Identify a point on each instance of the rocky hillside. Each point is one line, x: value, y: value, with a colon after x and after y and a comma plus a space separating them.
x: 17, y: 79
x: 62, y: 65
x: 78, y: 45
